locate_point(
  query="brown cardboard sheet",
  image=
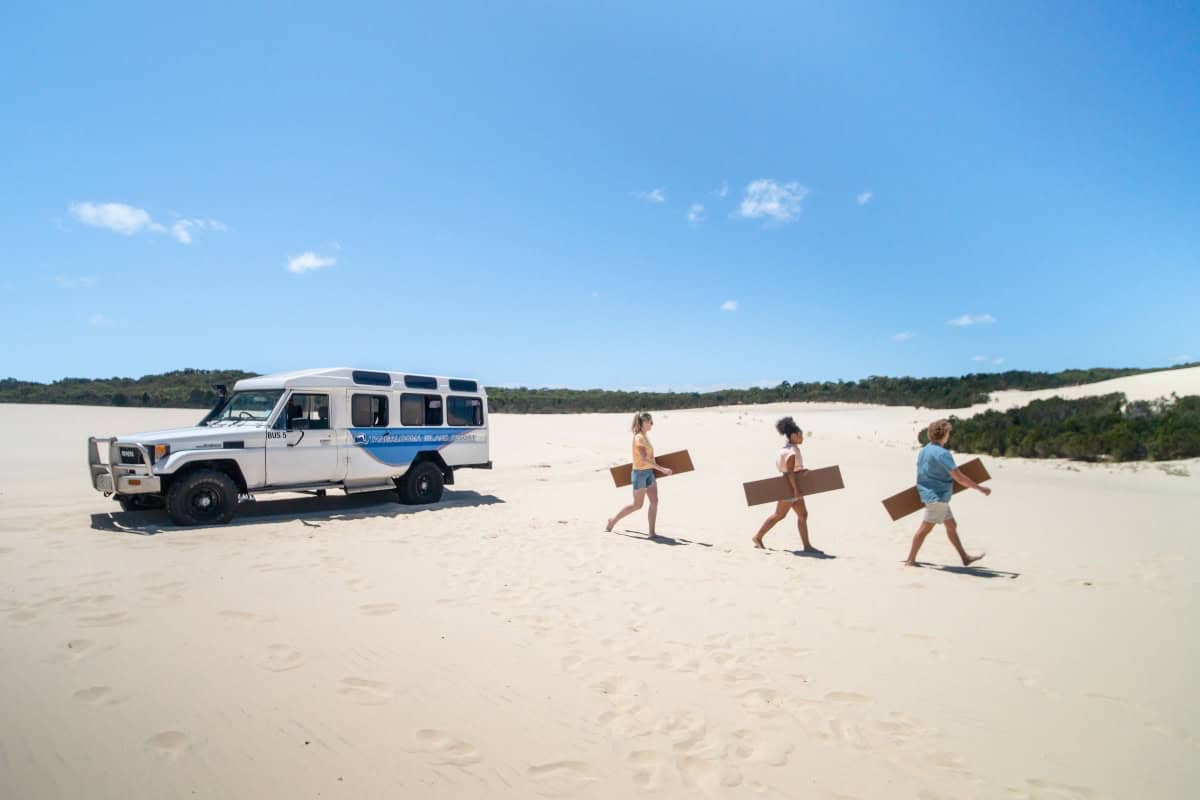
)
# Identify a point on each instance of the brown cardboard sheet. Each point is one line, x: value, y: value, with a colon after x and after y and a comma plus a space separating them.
x: 814, y: 481
x: 908, y: 501
x: 677, y: 462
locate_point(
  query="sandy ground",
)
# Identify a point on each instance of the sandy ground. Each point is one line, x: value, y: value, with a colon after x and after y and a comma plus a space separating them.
x: 501, y: 645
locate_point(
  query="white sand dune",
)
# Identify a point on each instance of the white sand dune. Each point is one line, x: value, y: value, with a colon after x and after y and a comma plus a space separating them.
x: 501, y: 645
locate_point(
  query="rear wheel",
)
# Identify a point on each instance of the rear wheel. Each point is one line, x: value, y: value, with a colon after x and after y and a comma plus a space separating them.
x: 203, y: 497
x: 422, y: 484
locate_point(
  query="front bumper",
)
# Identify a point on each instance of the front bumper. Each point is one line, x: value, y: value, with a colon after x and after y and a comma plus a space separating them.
x: 116, y: 478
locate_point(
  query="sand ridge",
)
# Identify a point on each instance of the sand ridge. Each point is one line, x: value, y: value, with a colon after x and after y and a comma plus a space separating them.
x: 501, y: 645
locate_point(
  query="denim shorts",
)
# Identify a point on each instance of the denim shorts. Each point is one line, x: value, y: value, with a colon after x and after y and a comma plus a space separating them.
x: 643, y: 478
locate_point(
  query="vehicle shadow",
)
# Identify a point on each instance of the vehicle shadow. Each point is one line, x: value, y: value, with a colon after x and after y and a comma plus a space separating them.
x: 309, y: 510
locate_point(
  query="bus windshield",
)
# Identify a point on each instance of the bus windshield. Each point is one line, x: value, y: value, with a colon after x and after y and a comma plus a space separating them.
x: 244, y: 406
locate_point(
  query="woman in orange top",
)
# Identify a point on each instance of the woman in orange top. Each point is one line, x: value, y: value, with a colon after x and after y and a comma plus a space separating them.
x: 644, y: 466
x: 790, y: 463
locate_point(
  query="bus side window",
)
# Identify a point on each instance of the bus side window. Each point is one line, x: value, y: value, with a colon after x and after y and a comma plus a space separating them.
x: 420, y: 409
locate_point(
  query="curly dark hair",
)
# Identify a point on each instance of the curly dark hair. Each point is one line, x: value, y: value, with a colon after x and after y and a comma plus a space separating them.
x: 787, y: 426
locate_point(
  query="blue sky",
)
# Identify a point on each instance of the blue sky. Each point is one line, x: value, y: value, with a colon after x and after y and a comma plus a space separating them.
x: 616, y: 195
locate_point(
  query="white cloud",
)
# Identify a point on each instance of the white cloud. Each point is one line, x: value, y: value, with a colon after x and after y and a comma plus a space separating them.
x: 902, y: 336
x: 695, y: 213
x: 100, y: 321
x: 779, y: 201
x: 181, y: 230
x: 729, y: 305
x: 993, y: 359
x: 971, y: 319
x: 999, y: 360
x: 68, y: 282
x: 979, y: 358
x: 864, y: 197
x: 658, y: 195
x: 128, y: 220
x: 117, y: 217
x: 724, y: 190
x: 309, y: 260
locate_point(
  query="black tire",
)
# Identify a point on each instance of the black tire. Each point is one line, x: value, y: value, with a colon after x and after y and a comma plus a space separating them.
x: 140, y: 502
x: 422, y: 484
x: 203, y: 497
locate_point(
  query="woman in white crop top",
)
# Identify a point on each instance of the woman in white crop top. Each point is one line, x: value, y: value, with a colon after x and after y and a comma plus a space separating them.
x: 790, y: 463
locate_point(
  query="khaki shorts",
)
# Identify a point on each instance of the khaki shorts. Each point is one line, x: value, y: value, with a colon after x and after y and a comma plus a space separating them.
x: 937, y: 513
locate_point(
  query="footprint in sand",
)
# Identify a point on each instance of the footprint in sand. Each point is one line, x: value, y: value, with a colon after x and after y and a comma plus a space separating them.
x: 379, y: 609
x: 561, y: 777
x: 168, y: 744
x: 741, y: 674
x: 847, y: 697
x: 93, y: 694
x: 620, y: 685
x: 750, y: 746
x: 685, y: 731
x: 104, y: 620
x: 366, y: 692
x: 847, y: 733
x: 761, y: 701
x: 167, y: 591
x: 708, y: 775
x: 446, y: 749
x: 241, y: 615
x: 1049, y: 790
x: 281, y: 658
x: 78, y: 648
x: 648, y: 767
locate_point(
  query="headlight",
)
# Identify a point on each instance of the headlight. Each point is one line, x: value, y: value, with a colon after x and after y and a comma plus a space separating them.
x: 130, y: 455
x: 159, y: 451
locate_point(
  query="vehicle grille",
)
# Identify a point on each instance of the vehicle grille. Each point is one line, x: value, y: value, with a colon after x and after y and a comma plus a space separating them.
x: 130, y: 455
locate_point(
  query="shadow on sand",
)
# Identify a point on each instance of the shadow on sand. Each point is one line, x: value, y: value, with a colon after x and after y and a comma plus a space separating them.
x: 309, y: 510
x: 803, y: 554
x: 656, y: 539
x: 974, y: 572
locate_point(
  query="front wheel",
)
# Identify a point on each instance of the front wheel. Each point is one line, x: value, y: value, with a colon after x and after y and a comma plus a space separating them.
x: 422, y: 484
x: 203, y: 497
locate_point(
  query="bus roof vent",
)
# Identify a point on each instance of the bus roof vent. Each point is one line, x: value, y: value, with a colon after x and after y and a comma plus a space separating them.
x: 365, y: 378
x: 420, y: 382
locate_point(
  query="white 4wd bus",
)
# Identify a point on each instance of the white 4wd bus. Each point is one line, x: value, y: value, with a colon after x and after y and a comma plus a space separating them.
x: 309, y: 431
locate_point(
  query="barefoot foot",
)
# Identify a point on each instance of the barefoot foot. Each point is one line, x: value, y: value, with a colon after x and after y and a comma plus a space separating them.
x: 911, y: 564
x: 758, y: 543
x: 608, y: 528
x: 814, y: 551
x: 969, y: 560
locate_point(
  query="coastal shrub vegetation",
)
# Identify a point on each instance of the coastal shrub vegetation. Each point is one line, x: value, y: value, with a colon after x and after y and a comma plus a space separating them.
x: 1105, y: 427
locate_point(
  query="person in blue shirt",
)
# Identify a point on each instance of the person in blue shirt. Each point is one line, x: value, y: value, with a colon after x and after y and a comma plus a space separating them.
x: 936, y: 474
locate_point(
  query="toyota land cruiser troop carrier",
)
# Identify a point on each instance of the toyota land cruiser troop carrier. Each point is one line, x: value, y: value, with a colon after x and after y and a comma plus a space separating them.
x: 309, y: 431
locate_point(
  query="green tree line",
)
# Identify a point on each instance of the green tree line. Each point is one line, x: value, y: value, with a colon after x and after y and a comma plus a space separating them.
x: 1105, y: 427
x: 192, y: 388
x: 184, y: 388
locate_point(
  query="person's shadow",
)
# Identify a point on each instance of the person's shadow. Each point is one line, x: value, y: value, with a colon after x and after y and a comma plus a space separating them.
x: 973, y: 571
x: 658, y: 539
x: 808, y: 554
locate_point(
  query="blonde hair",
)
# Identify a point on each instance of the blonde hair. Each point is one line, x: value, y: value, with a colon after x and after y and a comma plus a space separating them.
x: 640, y: 419
x: 938, y: 429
